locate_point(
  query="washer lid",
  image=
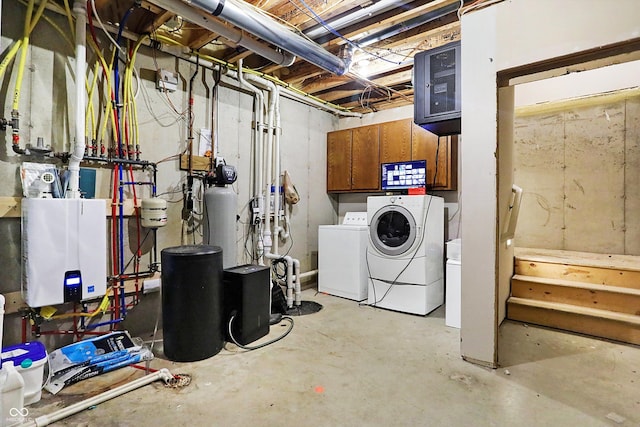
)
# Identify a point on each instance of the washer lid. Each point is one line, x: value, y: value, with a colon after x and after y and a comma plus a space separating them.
x: 393, y: 230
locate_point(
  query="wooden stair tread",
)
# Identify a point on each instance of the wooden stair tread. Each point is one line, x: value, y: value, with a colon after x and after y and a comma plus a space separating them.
x: 576, y: 284
x: 574, y: 309
x: 586, y: 259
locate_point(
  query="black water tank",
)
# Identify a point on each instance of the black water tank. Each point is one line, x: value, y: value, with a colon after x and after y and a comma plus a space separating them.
x: 192, y: 302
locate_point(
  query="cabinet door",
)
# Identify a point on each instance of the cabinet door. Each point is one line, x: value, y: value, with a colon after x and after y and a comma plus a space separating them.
x: 365, y: 164
x: 395, y: 141
x: 441, y: 170
x: 339, y: 161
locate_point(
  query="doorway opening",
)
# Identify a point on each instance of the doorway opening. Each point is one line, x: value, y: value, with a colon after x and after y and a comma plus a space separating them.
x: 570, y: 140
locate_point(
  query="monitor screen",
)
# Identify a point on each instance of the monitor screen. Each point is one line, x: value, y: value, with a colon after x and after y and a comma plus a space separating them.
x: 404, y: 175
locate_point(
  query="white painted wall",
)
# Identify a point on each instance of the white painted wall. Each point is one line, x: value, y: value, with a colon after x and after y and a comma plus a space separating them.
x: 377, y: 117
x: 510, y: 34
x: 575, y: 85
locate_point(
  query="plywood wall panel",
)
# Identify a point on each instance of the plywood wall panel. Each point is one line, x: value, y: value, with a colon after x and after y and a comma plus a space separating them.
x: 594, y: 179
x: 539, y: 170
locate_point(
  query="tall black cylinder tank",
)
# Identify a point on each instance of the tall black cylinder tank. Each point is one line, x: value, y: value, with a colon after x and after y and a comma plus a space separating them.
x: 192, y: 302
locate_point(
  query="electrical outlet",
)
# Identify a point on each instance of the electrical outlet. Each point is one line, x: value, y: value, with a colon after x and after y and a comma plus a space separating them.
x: 166, y: 81
x: 255, y: 212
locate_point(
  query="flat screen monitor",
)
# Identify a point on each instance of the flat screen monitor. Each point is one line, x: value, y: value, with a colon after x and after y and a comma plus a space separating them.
x: 404, y: 175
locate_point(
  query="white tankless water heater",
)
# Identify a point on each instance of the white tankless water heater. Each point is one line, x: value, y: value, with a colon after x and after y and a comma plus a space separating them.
x: 64, y: 250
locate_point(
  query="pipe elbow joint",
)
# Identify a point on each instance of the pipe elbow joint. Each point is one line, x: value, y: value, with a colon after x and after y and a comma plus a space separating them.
x: 18, y: 150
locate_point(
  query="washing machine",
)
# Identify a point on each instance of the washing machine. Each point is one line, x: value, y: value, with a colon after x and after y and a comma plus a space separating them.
x: 405, y: 253
x: 342, y: 269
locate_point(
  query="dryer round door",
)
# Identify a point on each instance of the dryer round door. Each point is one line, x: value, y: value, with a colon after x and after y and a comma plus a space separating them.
x: 393, y: 230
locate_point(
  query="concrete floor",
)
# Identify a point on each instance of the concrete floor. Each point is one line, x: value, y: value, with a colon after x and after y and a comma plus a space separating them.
x: 359, y: 366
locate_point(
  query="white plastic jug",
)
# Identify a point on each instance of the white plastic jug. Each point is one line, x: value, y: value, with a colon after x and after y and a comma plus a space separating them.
x: 12, y: 410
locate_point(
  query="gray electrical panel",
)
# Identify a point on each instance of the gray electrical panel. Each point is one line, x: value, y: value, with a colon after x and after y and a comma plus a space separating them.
x: 437, y: 106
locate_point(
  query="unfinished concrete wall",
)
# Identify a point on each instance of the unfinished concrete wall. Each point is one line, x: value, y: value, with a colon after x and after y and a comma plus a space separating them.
x: 47, y: 107
x: 576, y: 161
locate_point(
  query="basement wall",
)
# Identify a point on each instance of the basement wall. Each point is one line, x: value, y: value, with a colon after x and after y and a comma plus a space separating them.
x: 47, y: 110
x: 577, y: 161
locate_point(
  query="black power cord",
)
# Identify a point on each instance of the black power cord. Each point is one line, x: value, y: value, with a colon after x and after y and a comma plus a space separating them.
x: 245, y: 347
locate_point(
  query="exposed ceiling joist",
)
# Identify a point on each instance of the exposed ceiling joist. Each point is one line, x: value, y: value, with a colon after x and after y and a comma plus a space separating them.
x: 393, y: 46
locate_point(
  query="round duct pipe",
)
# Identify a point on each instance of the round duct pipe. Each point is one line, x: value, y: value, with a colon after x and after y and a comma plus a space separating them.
x: 188, y: 13
x: 250, y: 20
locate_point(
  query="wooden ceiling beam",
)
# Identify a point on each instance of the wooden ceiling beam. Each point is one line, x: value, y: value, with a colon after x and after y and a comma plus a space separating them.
x: 296, y: 14
x: 381, y: 83
x: 158, y: 21
x: 324, y: 82
x: 395, y: 100
x: 408, y: 43
x: 381, y: 22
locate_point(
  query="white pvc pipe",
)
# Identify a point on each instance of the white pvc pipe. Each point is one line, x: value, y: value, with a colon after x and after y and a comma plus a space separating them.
x: 298, y: 292
x: 80, y: 12
x: 258, y: 144
x: 268, y: 163
x: 287, y: 225
x: 287, y: 93
x: 45, y: 420
x: 307, y: 274
x: 289, y: 281
x: 278, y: 172
x: 271, y: 163
x: 310, y: 101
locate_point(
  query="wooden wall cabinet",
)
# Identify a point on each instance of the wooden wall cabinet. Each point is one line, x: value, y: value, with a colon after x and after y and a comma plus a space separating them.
x: 442, y: 171
x: 354, y: 155
x: 365, y: 156
x: 339, y: 161
x: 395, y: 141
x: 353, y: 159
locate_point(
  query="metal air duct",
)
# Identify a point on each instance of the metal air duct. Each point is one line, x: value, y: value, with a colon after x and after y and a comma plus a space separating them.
x: 188, y: 13
x: 407, y: 25
x: 351, y: 17
x: 247, y: 18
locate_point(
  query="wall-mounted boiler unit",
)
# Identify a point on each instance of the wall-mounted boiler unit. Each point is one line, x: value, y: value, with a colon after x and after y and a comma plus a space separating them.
x: 64, y: 250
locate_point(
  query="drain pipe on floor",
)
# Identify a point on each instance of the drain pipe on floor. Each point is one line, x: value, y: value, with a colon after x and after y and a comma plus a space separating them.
x: 45, y: 420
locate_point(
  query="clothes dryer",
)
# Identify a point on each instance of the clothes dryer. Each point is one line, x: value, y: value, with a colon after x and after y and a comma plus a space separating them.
x: 405, y: 253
